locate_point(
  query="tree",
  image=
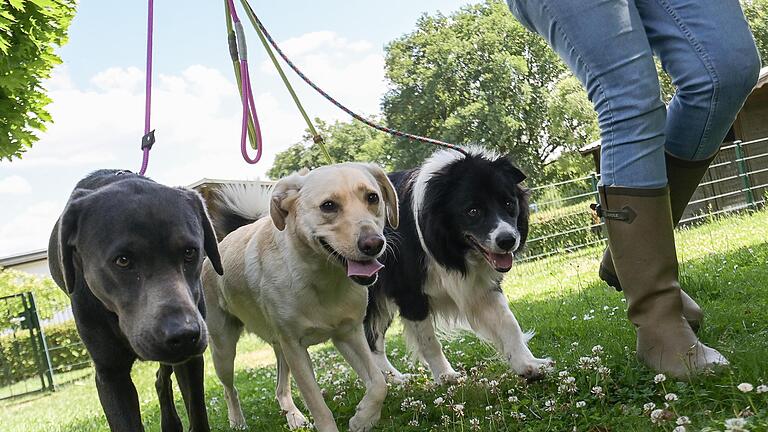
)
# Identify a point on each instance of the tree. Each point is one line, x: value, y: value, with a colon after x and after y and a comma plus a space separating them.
x: 476, y: 76
x: 756, y: 12
x: 345, y: 141
x: 29, y: 31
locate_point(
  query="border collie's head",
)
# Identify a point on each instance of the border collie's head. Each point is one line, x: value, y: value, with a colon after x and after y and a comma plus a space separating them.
x: 468, y: 207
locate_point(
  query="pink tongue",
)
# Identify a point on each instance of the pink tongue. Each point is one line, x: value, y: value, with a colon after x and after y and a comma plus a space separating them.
x: 502, y: 260
x: 363, y: 268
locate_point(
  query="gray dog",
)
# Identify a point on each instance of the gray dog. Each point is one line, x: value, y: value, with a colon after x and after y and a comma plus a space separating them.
x: 129, y: 252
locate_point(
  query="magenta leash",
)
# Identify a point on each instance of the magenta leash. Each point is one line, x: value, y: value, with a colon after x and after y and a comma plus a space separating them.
x: 149, y: 135
x: 246, y: 94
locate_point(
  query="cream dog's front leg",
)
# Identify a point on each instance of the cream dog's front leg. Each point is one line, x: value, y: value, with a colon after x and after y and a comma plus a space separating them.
x: 300, y: 365
x: 355, y: 350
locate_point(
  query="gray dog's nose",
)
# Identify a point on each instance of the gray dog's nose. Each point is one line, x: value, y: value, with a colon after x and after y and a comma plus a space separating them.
x: 183, y: 337
x: 506, y: 241
x: 370, y: 245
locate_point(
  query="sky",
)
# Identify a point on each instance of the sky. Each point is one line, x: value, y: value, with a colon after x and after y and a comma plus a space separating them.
x: 98, y: 94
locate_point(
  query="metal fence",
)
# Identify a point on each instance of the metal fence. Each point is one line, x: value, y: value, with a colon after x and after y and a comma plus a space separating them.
x: 561, y: 220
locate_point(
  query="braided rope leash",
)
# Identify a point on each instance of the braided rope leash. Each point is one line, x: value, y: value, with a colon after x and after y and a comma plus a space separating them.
x: 263, y: 33
x: 149, y: 135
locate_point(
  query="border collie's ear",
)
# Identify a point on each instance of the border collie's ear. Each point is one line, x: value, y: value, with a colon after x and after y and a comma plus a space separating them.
x: 523, y: 216
x: 283, y: 196
x: 390, y: 196
x: 510, y: 169
x: 68, y: 237
x: 210, y: 242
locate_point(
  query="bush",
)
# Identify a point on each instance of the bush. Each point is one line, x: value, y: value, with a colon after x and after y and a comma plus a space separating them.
x: 18, y: 353
x: 49, y: 298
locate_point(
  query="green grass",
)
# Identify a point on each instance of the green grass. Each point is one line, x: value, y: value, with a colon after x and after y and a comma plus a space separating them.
x: 724, y: 266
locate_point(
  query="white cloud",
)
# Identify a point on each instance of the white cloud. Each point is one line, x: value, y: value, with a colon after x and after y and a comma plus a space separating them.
x: 30, y: 229
x: 14, y: 185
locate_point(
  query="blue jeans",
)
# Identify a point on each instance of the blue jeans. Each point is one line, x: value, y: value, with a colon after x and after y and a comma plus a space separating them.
x: 704, y: 45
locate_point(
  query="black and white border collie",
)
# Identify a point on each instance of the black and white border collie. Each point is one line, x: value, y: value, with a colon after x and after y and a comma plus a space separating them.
x: 462, y: 217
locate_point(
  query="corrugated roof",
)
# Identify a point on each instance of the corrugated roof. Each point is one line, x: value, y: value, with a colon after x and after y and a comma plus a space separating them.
x: 23, y: 258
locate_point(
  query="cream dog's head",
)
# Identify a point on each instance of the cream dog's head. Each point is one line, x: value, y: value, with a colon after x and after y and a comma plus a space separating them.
x: 339, y: 211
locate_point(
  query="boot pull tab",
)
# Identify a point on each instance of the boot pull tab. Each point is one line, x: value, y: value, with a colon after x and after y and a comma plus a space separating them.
x: 626, y: 214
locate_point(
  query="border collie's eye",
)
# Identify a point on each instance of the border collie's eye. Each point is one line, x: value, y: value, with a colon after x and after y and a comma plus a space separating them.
x: 473, y: 212
x: 123, y: 262
x: 190, y: 254
x: 510, y: 205
x: 373, y: 198
x: 329, y: 206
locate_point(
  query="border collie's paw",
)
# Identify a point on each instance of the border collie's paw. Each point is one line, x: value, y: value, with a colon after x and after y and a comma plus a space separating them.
x: 536, y: 369
x: 398, y: 379
x: 364, y: 420
x: 451, y: 377
x: 296, y: 420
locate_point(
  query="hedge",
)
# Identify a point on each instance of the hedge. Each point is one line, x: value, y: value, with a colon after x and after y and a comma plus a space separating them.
x: 17, y: 355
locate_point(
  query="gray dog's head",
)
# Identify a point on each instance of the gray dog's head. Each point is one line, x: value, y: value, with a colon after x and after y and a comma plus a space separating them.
x: 139, y: 247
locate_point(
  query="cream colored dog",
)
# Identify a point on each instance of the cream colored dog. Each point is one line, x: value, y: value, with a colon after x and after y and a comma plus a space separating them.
x: 299, y: 278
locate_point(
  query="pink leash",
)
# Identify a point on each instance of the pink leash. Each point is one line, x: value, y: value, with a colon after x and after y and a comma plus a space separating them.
x: 249, y: 107
x: 149, y: 136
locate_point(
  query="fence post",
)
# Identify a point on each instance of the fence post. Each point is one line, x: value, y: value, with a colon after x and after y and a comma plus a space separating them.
x: 743, y: 172
x: 45, y: 356
x: 593, y: 179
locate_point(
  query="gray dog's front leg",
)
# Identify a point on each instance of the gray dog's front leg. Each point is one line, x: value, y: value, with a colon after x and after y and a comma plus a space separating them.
x: 119, y: 399
x: 190, y: 377
x: 169, y: 418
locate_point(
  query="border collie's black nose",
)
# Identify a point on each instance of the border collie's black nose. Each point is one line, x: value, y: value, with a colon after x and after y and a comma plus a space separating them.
x: 370, y: 245
x: 506, y: 241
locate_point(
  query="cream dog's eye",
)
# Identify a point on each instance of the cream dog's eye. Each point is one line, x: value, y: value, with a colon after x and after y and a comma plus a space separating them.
x: 373, y: 198
x: 329, y: 206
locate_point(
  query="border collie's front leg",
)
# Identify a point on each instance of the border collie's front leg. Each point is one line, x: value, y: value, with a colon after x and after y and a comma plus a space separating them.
x: 420, y: 336
x: 490, y: 317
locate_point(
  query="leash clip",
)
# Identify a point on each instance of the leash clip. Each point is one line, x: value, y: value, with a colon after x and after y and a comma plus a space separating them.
x: 626, y: 214
x: 148, y: 140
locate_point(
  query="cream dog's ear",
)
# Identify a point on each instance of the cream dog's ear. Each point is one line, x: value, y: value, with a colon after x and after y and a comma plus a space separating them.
x: 388, y: 190
x: 284, y: 196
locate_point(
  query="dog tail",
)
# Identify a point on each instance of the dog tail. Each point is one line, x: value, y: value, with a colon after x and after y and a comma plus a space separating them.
x: 237, y: 205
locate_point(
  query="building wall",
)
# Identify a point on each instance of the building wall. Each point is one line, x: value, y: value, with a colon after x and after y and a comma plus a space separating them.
x: 39, y: 268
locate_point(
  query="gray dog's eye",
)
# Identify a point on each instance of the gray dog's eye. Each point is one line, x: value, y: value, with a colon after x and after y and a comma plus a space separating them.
x: 122, y: 261
x: 190, y: 254
x: 373, y: 198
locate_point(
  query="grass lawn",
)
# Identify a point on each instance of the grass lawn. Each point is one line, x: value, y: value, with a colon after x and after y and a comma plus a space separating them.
x: 597, y: 385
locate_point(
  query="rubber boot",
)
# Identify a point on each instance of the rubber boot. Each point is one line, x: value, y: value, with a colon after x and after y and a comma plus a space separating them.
x: 641, y: 236
x: 683, y: 177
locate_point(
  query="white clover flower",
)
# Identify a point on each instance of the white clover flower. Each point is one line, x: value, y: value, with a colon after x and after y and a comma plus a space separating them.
x: 439, y: 401
x: 588, y: 317
x: 660, y: 378
x: 513, y: 399
x: 683, y: 420
x: 549, y: 405
x: 474, y: 424
x: 736, y: 425
x: 745, y: 387
x: 580, y: 404
x: 574, y: 344
x: 680, y: 428
x: 597, y: 349
x: 657, y: 416
x: 762, y: 388
x: 459, y: 409
x: 413, y: 422
x: 563, y: 373
x: 598, y: 391
x: 649, y: 406
x: 671, y: 397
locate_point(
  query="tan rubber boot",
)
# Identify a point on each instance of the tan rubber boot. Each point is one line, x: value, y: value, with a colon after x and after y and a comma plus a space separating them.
x: 683, y: 177
x: 641, y: 236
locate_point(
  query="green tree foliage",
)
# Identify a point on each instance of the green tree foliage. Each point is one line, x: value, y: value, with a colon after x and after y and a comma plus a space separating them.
x: 48, y: 296
x: 476, y: 76
x: 29, y: 31
x: 756, y: 12
x: 346, y: 141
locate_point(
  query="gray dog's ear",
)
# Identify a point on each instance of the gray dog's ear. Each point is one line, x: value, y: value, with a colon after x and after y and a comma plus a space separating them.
x: 284, y: 195
x: 390, y: 196
x: 68, y: 237
x: 210, y: 242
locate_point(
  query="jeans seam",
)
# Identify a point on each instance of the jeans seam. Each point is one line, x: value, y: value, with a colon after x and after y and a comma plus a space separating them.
x: 707, y: 62
x: 597, y: 80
